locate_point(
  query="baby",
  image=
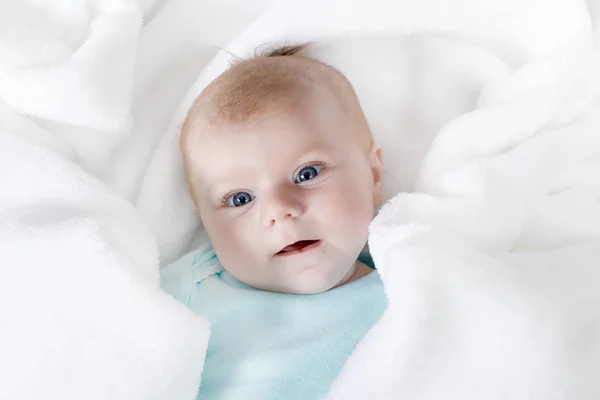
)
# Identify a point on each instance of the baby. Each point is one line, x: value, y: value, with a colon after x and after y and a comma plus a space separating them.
x: 286, y: 178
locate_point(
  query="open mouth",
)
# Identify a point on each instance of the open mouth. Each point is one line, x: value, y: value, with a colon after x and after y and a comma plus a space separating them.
x: 298, y: 247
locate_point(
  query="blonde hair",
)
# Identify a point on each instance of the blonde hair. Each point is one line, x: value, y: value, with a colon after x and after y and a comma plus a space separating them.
x: 278, y: 79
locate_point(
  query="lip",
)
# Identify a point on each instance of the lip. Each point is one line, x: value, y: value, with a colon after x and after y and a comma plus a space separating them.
x: 311, y: 246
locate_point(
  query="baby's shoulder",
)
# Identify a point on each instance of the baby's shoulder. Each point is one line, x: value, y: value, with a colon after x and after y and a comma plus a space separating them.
x: 179, y: 277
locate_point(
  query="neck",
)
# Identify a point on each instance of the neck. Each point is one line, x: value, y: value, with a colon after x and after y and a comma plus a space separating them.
x: 359, y: 270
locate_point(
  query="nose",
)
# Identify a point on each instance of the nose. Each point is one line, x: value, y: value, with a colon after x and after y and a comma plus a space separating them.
x: 283, y: 205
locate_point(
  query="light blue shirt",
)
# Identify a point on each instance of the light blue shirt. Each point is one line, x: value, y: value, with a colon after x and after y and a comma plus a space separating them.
x: 272, y: 346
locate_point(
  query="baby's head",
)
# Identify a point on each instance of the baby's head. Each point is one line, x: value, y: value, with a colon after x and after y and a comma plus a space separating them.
x: 283, y: 171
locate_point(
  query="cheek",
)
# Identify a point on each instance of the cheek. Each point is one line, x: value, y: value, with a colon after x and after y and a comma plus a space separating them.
x: 347, y: 205
x: 227, y: 238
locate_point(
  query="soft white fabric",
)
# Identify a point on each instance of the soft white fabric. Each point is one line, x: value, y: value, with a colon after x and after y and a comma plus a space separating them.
x: 492, y: 290
x: 489, y: 109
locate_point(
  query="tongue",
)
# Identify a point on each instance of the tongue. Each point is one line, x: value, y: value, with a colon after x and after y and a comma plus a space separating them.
x: 298, y: 245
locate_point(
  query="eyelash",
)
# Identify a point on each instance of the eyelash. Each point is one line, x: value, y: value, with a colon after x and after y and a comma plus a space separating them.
x: 225, y: 198
x: 310, y: 164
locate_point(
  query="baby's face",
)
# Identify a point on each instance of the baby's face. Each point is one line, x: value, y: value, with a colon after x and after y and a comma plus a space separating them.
x: 287, y: 198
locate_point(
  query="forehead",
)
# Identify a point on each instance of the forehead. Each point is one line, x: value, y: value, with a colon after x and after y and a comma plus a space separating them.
x: 265, y: 142
x: 273, y: 137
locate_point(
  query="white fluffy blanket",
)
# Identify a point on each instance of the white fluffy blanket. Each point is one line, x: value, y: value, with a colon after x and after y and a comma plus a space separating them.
x: 489, y: 110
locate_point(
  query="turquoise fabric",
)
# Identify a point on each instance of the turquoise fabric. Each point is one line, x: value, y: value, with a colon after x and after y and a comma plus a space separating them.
x: 272, y: 346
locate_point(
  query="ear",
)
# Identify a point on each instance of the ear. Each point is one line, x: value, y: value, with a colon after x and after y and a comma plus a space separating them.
x: 376, y: 162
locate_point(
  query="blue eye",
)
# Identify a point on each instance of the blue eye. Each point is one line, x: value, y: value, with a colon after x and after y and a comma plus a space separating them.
x: 308, y: 173
x: 239, y: 199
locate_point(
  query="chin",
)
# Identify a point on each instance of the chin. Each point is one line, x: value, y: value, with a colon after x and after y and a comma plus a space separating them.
x: 320, y: 284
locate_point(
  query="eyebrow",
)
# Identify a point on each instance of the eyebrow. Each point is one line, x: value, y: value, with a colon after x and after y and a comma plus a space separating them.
x: 311, y: 155
x: 216, y: 188
x: 219, y: 188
